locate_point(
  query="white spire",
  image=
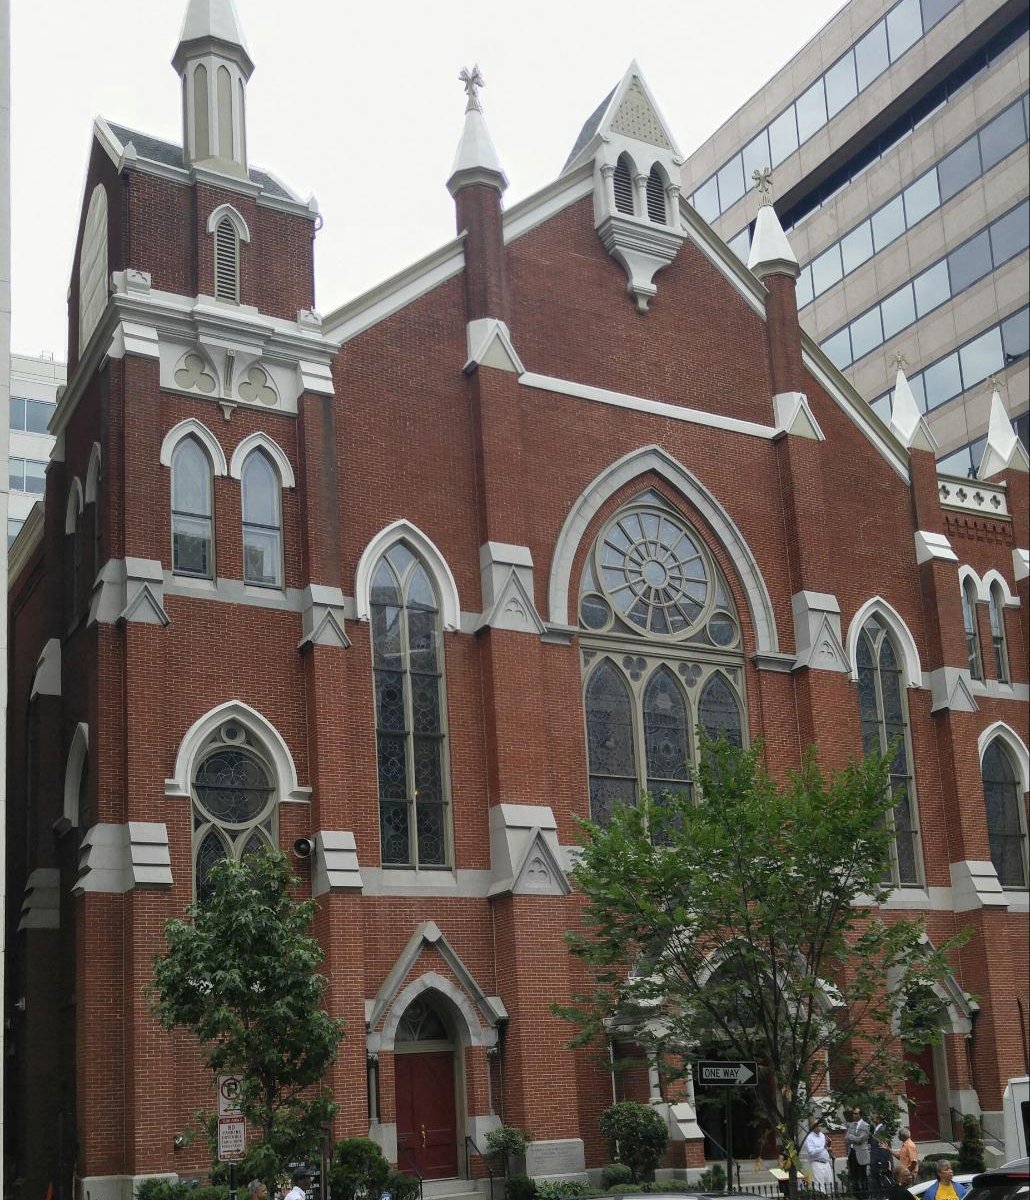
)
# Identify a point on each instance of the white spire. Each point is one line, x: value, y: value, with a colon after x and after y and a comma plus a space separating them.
x: 1004, y: 451
x: 214, y: 64
x: 476, y: 160
x: 771, y: 253
x: 907, y: 422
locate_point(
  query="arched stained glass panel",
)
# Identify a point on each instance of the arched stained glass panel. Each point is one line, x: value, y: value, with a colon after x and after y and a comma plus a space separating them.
x: 666, y: 741
x: 613, y: 772
x: 719, y: 712
x: 232, y: 786
x: 1004, y: 823
x: 212, y: 851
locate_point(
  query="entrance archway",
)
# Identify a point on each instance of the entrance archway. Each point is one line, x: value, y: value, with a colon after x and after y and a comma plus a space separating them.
x: 427, y: 1067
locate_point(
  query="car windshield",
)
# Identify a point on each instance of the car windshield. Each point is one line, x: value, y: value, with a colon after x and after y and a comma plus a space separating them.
x: 1001, y: 1187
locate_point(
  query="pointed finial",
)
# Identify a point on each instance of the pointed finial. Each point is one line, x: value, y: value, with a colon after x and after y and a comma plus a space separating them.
x: 994, y: 383
x: 763, y: 184
x: 473, y: 81
x: 899, y: 362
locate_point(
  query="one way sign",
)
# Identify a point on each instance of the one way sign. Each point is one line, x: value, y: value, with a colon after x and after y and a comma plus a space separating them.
x: 727, y: 1074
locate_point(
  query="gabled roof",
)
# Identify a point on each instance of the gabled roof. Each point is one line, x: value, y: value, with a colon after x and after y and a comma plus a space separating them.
x: 589, y: 129
x: 169, y: 154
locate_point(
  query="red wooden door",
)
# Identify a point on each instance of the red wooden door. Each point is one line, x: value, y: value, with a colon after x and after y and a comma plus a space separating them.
x: 427, y: 1133
x: 925, y: 1119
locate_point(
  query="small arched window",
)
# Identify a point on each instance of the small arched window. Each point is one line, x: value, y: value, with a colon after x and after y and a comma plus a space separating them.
x: 407, y: 654
x: 656, y: 197
x: 234, y: 803
x: 1001, y: 653
x: 884, y: 717
x: 719, y: 712
x: 976, y: 670
x: 613, y: 768
x: 262, y: 522
x: 1004, y: 816
x: 227, y: 261
x: 623, y: 185
x: 193, y: 541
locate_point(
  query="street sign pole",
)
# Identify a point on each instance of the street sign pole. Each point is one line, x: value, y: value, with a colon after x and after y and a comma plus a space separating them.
x: 729, y: 1141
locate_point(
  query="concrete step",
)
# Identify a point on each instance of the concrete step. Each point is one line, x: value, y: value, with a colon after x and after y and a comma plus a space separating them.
x: 454, y: 1189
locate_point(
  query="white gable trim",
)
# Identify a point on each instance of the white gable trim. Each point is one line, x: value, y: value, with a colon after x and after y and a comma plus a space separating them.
x: 239, y: 224
x: 609, y: 481
x: 994, y: 577
x: 192, y: 427
x: 261, y: 441
x: 425, y: 548
x: 1015, y: 744
x: 904, y: 640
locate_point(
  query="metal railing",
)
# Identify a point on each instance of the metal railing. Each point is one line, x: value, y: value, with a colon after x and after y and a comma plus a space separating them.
x: 413, y: 1169
x: 471, y: 1145
x: 958, y: 1120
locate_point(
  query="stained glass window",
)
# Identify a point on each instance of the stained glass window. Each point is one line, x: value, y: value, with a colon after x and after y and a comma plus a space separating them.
x: 410, y: 738
x: 884, y: 720
x: 719, y: 712
x: 1004, y: 825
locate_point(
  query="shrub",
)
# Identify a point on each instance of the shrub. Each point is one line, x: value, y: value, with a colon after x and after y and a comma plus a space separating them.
x: 358, y: 1170
x: 168, y: 1189
x: 506, y: 1144
x: 401, y: 1186
x: 518, y: 1187
x: 971, y: 1152
x: 558, y: 1189
x: 636, y: 1136
x: 714, y: 1179
x: 614, y: 1175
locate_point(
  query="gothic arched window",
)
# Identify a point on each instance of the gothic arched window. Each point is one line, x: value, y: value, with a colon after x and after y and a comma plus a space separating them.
x: 622, y: 182
x: 234, y: 803
x: 976, y: 670
x: 1001, y: 654
x: 193, y: 539
x: 407, y: 650
x: 227, y: 261
x: 656, y: 197
x: 1004, y: 816
x: 884, y: 718
x: 262, y: 522
x: 662, y: 655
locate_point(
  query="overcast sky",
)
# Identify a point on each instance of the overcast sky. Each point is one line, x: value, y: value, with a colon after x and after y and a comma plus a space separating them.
x: 360, y: 104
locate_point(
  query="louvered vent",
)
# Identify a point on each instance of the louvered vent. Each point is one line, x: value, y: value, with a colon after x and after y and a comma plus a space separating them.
x: 656, y: 197
x: 227, y: 261
x: 623, y: 188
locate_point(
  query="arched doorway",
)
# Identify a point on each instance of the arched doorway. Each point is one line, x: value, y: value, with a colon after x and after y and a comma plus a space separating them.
x: 426, y: 1067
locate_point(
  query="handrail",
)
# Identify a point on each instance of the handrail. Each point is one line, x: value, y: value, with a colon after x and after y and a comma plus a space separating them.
x: 414, y: 1169
x: 987, y: 1137
x: 486, y: 1163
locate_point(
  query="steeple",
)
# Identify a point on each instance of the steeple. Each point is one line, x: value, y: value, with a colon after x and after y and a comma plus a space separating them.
x: 476, y: 160
x: 907, y: 422
x: 213, y: 62
x: 1004, y: 451
x: 771, y: 253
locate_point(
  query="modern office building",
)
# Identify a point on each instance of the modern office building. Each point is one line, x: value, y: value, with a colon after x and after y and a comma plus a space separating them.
x: 34, y: 386
x: 897, y: 139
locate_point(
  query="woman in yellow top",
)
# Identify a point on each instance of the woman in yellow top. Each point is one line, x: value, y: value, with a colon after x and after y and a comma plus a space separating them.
x: 945, y: 1187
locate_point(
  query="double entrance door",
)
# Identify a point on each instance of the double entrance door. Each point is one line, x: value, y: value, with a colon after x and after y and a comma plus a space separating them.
x: 427, y: 1132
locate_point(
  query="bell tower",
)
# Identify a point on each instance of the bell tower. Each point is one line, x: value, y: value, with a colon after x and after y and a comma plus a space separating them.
x: 213, y: 62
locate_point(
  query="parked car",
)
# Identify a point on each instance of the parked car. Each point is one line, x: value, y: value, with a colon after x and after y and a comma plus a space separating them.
x: 967, y: 1178
x: 1011, y: 1182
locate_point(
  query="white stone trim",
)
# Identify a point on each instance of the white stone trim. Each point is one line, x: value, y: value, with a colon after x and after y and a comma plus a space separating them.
x: 610, y: 480
x: 271, y: 740
x: 1020, y: 564
x: 471, y: 1029
x: 1005, y: 733
x: 975, y: 885
x: 261, y: 441
x: 817, y: 633
x: 74, y: 506
x: 76, y: 760
x: 47, y: 678
x: 550, y: 200
x: 992, y: 577
x: 434, y: 561
x: 335, y: 865
x: 906, y: 643
x: 93, y: 474
x: 239, y: 224
x: 41, y: 908
x: 966, y: 572
x: 930, y: 545
x: 191, y: 427
x: 114, y: 859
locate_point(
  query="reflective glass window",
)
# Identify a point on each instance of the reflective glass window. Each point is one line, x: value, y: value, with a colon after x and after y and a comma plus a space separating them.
x: 898, y: 311
x: 826, y: 269
x: 916, y: 384
x: 857, y: 247
x: 35, y: 476
x: 889, y: 223
x: 970, y: 262
x: 741, y: 244
x: 811, y: 108
x: 871, y: 55
x: 981, y: 357
x: 838, y: 349
x: 841, y: 84
x: 731, y: 182
x: 262, y: 522
x: 783, y: 136
x: 882, y: 407
x: 904, y: 27
x: 1015, y: 335
x: 958, y: 463
x: 866, y: 332
x: 934, y: 10
x: 706, y: 200
x: 932, y: 288
x: 921, y: 198
x: 804, y: 288
x: 942, y: 381
x: 30, y: 416
x: 959, y: 169
x: 756, y: 156
x: 1010, y: 234
x: 1002, y: 136
x: 192, y: 523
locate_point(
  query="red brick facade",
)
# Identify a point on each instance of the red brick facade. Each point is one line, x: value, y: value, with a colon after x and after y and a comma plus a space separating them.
x: 468, y: 458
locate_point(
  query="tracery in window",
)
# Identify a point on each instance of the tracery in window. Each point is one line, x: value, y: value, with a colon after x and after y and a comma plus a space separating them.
x: 884, y: 719
x: 262, y: 522
x: 234, y: 803
x: 407, y: 651
x: 976, y: 670
x: 1001, y: 653
x: 662, y: 655
x: 1004, y: 818
x: 192, y: 524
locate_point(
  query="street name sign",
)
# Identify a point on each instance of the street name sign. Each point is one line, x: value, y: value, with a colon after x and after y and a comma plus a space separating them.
x: 727, y: 1074
x: 232, y: 1138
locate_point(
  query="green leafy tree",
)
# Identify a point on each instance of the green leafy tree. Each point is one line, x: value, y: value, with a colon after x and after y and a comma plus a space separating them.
x: 747, y: 920
x: 972, y: 1152
x: 242, y: 974
x: 636, y: 1136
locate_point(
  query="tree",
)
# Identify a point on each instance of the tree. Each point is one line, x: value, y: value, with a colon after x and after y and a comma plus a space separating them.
x: 972, y: 1152
x: 747, y: 919
x: 241, y: 973
x: 636, y: 1135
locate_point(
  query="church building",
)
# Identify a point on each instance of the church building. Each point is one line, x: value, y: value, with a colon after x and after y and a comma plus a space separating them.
x: 422, y: 581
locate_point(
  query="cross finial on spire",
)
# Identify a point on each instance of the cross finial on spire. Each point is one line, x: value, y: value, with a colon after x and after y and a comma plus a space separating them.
x: 899, y: 361
x: 994, y: 383
x: 763, y: 182
x: 473, y: 81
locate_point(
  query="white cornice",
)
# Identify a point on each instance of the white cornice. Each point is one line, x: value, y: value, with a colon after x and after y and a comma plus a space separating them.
x: 29, y: 537
x: 722, y: 258
x: 549, y: 200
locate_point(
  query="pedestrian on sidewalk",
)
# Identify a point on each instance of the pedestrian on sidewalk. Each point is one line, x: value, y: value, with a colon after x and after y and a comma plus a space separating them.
x: 856, y: 1138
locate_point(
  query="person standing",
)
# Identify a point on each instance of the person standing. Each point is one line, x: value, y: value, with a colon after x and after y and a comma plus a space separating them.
x: 856, y: 1138
x: 300, y: 1178
x: 944, y: 1186
x: 908, y: 1158
x: 815, y: 1150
